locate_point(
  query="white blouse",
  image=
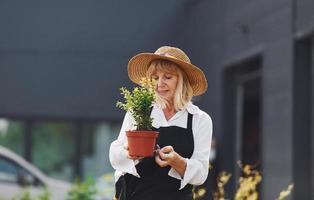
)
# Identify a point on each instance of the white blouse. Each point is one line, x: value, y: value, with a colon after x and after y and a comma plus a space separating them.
x: 197, y: 166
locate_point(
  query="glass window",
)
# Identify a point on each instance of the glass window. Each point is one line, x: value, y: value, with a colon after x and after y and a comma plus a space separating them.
x: 97, y: 138
x: 14, y: 173
x: 53, y: 148
x: 11, y: 135
x: 26, y: 178
x: 8, y: 171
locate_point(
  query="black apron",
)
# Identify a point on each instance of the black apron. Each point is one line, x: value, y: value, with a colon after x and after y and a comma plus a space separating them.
x: 155, y: 183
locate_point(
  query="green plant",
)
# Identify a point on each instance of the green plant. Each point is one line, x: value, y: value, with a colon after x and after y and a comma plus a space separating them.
x: 82, y: 190
x: 45, y: 195
x: 139, y: 103
x: 26, y: 195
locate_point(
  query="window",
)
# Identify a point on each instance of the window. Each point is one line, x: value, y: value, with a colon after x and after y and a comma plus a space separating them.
x: 62, y: 149
x: 11, y: 135
x: 53, y: 148
x: 8, y: 171
x: 97, y: 138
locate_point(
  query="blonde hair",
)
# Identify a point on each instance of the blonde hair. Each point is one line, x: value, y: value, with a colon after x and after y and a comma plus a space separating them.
x: 183, y: 93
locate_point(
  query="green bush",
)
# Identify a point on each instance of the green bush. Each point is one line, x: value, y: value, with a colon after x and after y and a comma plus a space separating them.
x: 82, y: 190
x: 26, y: 195
x: 139, y: 103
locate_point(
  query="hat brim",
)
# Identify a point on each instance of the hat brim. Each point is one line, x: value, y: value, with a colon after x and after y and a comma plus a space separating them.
x: 138, y: 66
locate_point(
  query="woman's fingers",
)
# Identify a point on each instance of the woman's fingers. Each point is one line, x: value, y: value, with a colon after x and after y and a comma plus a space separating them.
x: 167, y: 153
x: 165, y: 156
x: 160, y: 162
x: 166, y: 149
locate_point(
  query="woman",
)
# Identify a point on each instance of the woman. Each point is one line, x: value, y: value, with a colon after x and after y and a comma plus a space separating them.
x: 185, y: 131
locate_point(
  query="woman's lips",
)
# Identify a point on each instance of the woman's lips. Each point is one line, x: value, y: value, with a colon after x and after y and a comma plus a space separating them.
x: 163, y: 91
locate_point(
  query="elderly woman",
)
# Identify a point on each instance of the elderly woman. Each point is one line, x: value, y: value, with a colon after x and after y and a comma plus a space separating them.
x: 185, y: 131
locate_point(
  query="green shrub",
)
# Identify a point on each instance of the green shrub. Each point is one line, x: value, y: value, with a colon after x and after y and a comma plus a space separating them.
x: 82, y: 190
x: 45, y: 195
x: 139, y: 103
x: 26, y: 195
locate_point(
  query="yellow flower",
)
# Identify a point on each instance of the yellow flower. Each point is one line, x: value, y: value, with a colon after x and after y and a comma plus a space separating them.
x: 285, y: 193
x: 248, y: 182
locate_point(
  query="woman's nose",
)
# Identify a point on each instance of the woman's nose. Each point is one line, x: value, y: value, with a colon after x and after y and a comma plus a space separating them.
x: 160, y: 82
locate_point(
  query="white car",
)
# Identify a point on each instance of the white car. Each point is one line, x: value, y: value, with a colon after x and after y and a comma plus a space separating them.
x: 17, y: 176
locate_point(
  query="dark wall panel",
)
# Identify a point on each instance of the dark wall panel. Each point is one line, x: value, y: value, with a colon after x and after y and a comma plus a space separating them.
x: 68, y: 59
x: 224, y: 34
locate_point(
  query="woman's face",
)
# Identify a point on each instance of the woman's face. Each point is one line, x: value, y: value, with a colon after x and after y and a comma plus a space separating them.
x: 166, y: 84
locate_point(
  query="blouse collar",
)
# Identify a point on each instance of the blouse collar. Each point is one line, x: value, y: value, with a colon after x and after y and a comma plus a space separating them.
x: 189, y: 107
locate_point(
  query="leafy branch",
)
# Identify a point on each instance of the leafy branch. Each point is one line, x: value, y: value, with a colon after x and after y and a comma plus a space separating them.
x: 139, y: 102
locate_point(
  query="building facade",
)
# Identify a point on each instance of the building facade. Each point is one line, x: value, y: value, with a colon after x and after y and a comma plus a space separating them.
x: 260, y: 66
x: 62, y: 62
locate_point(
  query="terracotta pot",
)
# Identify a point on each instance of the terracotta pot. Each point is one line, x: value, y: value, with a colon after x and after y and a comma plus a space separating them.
x: 142, y: 143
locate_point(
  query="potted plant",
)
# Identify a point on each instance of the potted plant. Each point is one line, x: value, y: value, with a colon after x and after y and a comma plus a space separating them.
x: 139, y: 103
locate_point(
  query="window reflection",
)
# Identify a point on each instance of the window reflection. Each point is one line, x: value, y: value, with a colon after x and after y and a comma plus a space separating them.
x: 8, y: 171
x: 11, y: 135
x: 53, y: 148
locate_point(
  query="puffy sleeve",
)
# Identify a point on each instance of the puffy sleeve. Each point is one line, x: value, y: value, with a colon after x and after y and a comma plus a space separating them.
x: 197, y: 166
x: 117, y: 153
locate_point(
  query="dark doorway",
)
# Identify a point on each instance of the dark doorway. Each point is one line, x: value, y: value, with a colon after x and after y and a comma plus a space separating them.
x: 251, y: 144
x: 303, y: 139
x: 242, y: 117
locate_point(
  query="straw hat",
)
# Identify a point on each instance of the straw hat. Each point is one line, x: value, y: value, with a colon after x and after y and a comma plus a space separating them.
x: 139, y: 64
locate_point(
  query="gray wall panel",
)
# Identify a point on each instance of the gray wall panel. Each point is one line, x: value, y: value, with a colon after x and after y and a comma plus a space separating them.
x: 67, y: 59
x: 277, y: 118
x: 304, y: 17
x: 265, y: 28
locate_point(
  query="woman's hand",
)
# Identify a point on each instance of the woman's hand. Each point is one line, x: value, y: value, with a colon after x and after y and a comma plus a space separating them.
x: 166, y: 156
x: 126, y: 147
